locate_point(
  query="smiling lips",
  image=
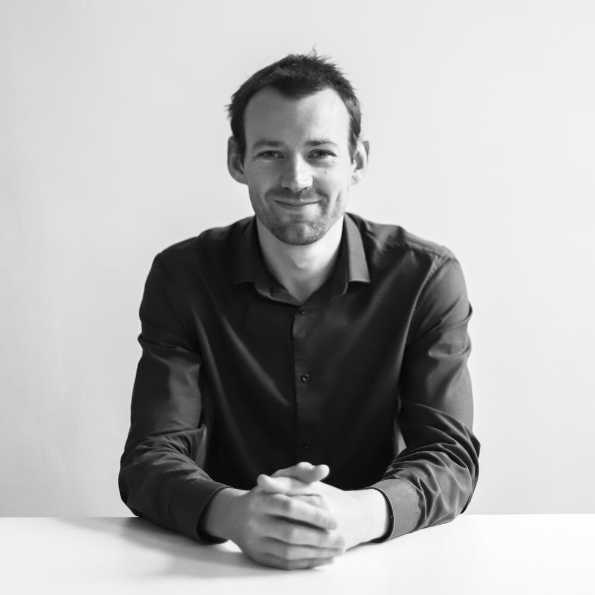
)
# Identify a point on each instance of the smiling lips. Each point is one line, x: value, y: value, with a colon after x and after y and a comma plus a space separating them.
x: 296, y: 204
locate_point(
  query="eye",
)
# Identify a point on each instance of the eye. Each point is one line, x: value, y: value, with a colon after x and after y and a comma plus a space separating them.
x: 321, y: 154
x: 270, y: 154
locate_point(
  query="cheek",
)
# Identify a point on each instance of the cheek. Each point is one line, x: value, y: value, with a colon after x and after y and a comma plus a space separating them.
x: 262, y: 177
x: 333, y: 181
x: 258, y: 181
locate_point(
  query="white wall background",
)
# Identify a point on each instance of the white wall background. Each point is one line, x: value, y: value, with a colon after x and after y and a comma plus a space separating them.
x: 481, y: 117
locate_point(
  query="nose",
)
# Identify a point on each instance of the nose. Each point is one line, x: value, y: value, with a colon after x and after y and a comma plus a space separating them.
x: 296, y: 175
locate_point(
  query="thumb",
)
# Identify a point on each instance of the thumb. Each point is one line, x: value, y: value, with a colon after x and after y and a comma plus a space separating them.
x: 305, y: 472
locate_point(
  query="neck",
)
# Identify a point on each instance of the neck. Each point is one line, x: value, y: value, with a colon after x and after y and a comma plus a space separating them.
x: 301, y: 269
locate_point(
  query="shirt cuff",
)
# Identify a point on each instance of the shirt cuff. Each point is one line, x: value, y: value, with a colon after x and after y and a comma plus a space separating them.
x: 202, y: 535
x: 391, y: 519
x: 404, y: 504
x: 188, y: 503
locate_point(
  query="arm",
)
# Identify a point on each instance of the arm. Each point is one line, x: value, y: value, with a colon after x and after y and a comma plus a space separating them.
x: 160, y: 474
x: 433, y: 479
x: 161, y: 478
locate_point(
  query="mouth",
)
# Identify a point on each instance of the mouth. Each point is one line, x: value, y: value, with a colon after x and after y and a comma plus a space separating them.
x: 292, y: 204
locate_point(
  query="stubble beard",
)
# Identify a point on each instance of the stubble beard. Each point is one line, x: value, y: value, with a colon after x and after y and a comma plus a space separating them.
x: 299, y: 233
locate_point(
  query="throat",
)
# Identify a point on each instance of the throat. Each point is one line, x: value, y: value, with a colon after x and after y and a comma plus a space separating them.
x: 301, y: 291
x: 301, y: 269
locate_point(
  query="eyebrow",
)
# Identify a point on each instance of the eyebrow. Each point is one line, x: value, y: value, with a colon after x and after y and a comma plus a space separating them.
x: 315, y: 142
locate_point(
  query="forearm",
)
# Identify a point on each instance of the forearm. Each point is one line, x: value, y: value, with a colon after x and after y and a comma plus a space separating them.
x: 431, y: 485
x: 432, y: 480
x: 160, y: 483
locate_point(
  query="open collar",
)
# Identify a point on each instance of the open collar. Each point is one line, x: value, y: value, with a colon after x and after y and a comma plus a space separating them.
x: 248, y: 264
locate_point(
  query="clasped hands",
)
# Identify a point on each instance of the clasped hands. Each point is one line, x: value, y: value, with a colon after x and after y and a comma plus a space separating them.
x: 291, y: 519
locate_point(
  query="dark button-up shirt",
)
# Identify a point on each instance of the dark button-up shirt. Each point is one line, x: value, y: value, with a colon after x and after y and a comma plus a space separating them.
x: 368, y: 375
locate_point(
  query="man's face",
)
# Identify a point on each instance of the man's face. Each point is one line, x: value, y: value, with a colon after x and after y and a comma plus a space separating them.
x: 297, y: 164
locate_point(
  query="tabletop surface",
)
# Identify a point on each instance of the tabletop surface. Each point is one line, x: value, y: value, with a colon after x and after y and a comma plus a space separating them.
x: 474, y: 554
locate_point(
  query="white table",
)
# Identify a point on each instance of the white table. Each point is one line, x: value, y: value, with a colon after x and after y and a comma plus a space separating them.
x: 474, y: 554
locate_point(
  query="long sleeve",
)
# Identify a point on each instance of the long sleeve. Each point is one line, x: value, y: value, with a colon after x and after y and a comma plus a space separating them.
x: 432, y: 480
x: 160, y: 476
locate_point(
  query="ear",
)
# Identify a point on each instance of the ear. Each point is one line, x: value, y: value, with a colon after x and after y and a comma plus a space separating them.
x: 235, y: 163
x: 360, y: 160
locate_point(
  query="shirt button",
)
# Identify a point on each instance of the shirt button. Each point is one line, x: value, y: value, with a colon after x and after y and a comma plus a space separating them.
x: 305, y: 378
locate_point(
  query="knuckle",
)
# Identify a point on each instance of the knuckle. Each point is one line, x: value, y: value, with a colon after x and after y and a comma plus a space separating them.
x: 291, y: 534
x: 287, y: 506
x: 254, y: 503
x: 324, y: 541
x: 322, y: 501
x: 285, y: 551
x: 278, y: 502
x: 321, y: 519
x: 330, y: 540
x: 315, y: 501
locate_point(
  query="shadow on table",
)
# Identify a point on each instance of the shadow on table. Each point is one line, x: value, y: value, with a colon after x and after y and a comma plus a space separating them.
x: 186, y: 557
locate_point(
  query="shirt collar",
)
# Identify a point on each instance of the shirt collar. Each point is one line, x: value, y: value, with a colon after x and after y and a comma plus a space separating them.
x: 353, y: 248
x: 248, y: 261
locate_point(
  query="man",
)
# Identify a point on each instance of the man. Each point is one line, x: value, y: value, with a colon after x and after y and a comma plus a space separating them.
x: 303, y: 384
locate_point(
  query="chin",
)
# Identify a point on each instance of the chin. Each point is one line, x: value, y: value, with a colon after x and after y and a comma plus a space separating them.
x: 299, y: 234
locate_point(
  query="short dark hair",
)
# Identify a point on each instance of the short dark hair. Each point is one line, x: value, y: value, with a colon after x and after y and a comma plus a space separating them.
x: 295, y: 76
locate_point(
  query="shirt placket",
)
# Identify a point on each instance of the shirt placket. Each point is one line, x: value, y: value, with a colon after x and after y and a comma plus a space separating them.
x: 305, y: 384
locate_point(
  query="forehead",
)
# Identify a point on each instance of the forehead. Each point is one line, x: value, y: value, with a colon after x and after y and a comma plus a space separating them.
x: 273, y: 116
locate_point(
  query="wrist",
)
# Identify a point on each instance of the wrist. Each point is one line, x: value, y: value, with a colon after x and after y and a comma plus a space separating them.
x: 220, y: 519
x: 373, y: 512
